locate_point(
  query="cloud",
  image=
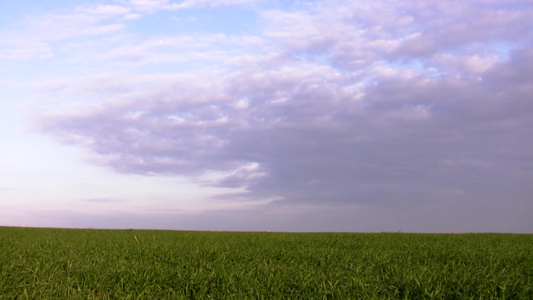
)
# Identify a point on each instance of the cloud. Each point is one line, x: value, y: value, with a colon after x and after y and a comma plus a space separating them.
x: 391, y: 106
x: 156, y: 5
x: 85, y: 23
x: 187, y: 49
x: 106, y: 10
x: 308, y: 138
x: 132, y: 16
x: 22, y: 49
x: 351, y: 36
x: 104, y: 200
x: 42, y: 37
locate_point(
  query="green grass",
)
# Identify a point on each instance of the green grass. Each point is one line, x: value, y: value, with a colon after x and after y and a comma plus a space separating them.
x: 112, y: 264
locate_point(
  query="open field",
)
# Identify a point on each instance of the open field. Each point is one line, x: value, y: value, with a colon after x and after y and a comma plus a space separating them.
x: 148, y: 264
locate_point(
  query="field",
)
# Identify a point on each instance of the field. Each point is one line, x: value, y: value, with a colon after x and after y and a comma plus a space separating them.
x: 148, y: 264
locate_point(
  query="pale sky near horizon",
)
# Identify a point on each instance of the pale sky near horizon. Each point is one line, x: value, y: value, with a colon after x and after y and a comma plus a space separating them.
x: 412, y: 116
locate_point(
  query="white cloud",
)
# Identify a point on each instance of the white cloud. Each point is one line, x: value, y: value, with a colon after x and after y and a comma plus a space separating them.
x: 105, y: 10
x: 21, y: 49
x: 149, y: 5
x: 132, y: 16
x: 155, y: 5
x: 466, y: 64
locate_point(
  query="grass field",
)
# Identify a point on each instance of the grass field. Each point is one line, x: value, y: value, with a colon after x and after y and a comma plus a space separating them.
x: 147, y: 264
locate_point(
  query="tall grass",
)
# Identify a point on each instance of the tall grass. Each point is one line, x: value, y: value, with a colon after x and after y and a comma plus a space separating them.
x: 145, y: 264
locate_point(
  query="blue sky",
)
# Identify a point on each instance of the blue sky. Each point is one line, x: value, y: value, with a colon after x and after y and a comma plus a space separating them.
x: 267, y: 115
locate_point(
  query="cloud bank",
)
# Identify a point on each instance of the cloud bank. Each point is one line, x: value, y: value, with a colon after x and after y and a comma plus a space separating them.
x: 373, y: 104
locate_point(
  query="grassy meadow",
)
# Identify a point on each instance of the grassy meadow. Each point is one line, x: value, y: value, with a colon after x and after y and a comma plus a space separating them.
x: 149, y: 264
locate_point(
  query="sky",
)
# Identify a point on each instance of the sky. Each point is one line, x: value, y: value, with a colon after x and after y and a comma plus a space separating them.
x: 256, y: 115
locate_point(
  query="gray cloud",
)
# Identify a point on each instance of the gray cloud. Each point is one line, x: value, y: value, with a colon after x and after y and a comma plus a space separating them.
x: 104, y: 200
x: 343, y: 120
